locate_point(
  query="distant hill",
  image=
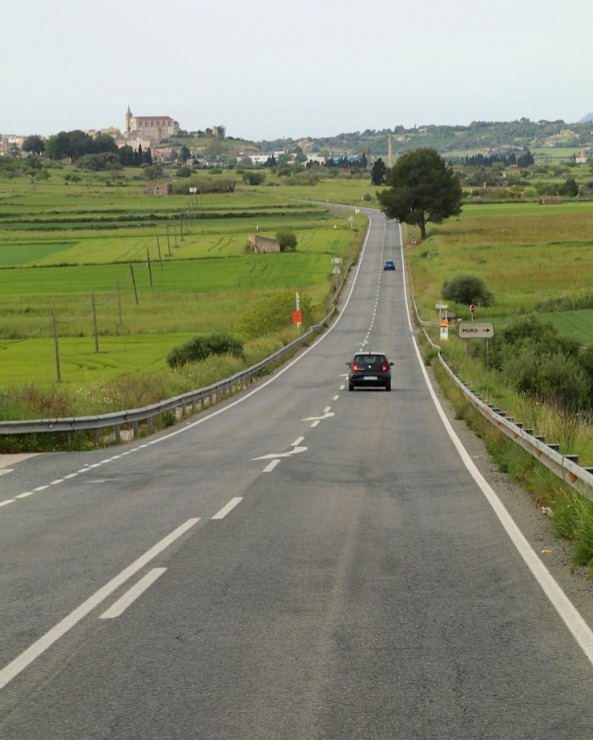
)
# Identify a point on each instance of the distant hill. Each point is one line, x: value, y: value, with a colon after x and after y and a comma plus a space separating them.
x: 479, y: 137
x: 588, y: 117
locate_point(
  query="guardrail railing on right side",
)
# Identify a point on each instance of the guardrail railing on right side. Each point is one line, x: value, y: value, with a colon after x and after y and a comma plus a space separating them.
x: 565, y: 466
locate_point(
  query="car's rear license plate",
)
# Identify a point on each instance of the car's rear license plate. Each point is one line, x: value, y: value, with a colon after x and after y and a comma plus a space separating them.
x: 370, y: 377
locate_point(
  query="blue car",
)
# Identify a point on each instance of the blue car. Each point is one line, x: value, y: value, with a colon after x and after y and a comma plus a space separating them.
x: 389, y: 265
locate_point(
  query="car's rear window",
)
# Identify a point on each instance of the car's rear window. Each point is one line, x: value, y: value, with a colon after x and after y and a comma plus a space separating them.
x: 372, y: 360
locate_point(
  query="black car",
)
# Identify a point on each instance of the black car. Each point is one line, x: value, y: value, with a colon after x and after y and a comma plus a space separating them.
x: 370, y: 369
x: 389, y: 265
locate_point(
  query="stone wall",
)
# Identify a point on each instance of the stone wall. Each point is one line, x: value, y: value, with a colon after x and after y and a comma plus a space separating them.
x: 262, y: 244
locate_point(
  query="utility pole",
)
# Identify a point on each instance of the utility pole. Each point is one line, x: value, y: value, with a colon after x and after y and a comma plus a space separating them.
x: 95, y: 321
x: 57, y: 346
x: 149, y: 265
x: 134, y: 282
x: 119, y: 304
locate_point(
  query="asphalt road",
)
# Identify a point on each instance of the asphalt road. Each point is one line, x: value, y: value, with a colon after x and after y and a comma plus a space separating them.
x: 300, y: 562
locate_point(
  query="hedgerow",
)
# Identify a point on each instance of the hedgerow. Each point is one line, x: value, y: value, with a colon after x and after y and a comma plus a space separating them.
x: 202, y: 347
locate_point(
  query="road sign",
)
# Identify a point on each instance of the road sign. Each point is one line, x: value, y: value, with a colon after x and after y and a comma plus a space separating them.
x: 441, y: 306
x: 472, y: 308
x: 476, y: 330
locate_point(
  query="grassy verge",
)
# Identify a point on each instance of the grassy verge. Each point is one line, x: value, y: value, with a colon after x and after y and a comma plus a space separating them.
x: 530, y: 257
x: 571, y: 513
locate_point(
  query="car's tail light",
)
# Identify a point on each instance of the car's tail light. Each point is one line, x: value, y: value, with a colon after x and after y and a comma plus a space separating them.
x: 385, y: 367
x: 355, y: 366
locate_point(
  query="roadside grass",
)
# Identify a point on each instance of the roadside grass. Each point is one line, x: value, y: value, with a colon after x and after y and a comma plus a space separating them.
x: 573, y: 432
x: 98, y: 383
x: 524, y: 253
x: 527, y: 255
x: 571, y: 513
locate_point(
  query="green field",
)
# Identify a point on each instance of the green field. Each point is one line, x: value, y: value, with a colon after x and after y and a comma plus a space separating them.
x: 528, y: 256
x: 159, y: 270
x: 525, y: 253
x: 151, y: 271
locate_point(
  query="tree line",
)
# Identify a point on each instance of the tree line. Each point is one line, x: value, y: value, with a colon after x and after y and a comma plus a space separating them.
x: 520, y: 159
x: 96, y: 153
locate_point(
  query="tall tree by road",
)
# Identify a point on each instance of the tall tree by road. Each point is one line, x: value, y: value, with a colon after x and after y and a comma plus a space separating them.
x: 423, y: 188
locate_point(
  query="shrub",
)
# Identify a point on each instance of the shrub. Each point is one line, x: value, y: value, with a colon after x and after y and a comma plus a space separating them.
x: 536, y: 361
x: 569, y: 189
x: 467, y: 289
x: 301, y: 179
x: 562, y: 383
x: 200, y: 348
x: 585, y: 359
x: 254, y: 178
x: 543, y: 334
x: 287, y: 241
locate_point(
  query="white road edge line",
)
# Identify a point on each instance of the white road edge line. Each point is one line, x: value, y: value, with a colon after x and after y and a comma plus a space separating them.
x: 59, y: 630
x: 228, y: 508
x: 119, y: 607
x: 569, y: 614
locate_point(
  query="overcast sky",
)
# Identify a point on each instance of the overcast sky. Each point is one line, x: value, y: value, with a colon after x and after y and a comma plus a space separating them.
x: 266, y: 69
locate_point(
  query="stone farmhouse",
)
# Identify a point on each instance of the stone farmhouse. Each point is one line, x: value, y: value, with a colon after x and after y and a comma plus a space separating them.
x: 262, y: 244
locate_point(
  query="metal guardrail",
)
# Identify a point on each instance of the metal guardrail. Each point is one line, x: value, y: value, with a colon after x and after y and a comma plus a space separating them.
x: 182, y: 403
x: 565, y: 466
x: 179, y: 405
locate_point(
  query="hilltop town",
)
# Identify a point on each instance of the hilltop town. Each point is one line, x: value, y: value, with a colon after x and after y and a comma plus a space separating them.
x: 166, y: 138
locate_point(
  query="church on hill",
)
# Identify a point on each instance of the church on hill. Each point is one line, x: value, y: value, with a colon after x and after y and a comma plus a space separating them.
x: 150, y: 128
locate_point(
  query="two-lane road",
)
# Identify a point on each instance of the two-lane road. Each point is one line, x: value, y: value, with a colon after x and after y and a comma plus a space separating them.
x: 300, y: 562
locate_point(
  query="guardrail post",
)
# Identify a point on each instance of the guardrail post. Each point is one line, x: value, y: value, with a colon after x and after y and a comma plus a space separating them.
x: 117, y: 432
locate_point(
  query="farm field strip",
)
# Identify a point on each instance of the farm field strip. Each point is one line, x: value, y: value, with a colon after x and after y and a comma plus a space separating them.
x: 526, y: 253
x: 151, y: 288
